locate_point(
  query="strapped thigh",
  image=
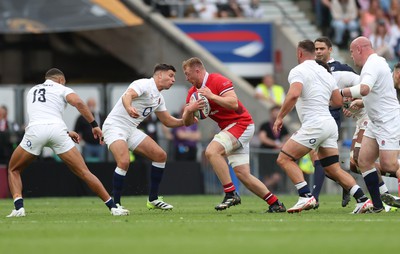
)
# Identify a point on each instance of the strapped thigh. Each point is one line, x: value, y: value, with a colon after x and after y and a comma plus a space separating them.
x: 290, y: 156
x: 327, y: 161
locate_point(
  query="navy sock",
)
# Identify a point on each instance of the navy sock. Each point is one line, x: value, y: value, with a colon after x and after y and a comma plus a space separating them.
x: 319, y: 177
x: 118, y: 183
x: 304, y: 192
x: 110, y: 204
x: 155, y: 180
x: 360, y: 196
x: 19, y: 203
x: 372, y: 181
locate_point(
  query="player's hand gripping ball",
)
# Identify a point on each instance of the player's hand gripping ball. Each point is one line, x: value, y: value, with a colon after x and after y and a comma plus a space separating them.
x: 202, y: 113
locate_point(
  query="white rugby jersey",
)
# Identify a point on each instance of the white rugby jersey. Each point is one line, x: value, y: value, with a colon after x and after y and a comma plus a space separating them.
x: 149, y: 100
x: 381, y: 103
x: 318, y: 84
x: 46, y: 103
x: 348, y: 79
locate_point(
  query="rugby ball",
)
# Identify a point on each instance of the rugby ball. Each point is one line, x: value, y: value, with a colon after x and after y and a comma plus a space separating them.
x: 201, y: 114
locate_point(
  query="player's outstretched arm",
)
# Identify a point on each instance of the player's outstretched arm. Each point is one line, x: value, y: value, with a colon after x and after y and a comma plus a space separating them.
x: 168, y: 120
x: 291, y: 98
x: 74, y: 100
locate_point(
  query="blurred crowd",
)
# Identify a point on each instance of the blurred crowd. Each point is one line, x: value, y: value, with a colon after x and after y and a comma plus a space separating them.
x: 378, y: 20
x: 341, y: 20
x: 208, y: 9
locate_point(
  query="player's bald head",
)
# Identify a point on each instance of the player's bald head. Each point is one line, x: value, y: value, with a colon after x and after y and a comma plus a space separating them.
x: 360, y: 50
x: 361, y: 42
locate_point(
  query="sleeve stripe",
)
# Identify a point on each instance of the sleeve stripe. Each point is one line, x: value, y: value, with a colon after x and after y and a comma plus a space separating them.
x: 226, y: 90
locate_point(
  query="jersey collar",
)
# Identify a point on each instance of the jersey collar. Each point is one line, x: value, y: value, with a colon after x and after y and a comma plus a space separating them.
x: 205, y: 80
x: 49, y: 81
x: 331, y: 60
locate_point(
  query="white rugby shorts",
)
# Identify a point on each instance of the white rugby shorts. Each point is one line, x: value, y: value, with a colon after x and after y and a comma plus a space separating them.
x: 46, y: 135
x: 132, y: 135
x: 318, y: 134
x: 386, y: 134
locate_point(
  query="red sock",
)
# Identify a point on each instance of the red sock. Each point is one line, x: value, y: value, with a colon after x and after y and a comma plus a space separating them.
x: 270, y: 198
x: 229, y: 187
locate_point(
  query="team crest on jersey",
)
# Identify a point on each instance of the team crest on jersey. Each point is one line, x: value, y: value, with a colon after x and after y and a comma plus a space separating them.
x: 365, y: 123
x: 383, y: 142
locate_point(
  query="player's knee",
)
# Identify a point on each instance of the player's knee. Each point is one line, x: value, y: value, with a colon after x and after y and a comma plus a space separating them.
x: 161, y: 156
x: 283, y: 158
x: 280, y: 160
x: 389, y: 166
x: 123, y: 163
x: 12, y: 169
x: 209, y: 153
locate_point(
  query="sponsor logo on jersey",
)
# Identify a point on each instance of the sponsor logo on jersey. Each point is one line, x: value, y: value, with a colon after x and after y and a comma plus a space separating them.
x: 214, y: 112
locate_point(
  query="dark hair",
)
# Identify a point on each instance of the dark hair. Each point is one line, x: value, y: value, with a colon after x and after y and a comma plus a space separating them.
x: 307, y: 45
x: 323, y: 64
x: 325, y: 40
x: 53, y: 72
x: 163, y: 67
x: 397, y: 65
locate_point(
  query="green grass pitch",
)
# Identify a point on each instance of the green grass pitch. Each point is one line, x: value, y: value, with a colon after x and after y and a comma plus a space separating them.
x: 84, y: 225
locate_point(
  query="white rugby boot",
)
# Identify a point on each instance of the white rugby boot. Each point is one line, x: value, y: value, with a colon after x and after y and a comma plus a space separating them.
x: 303, y: 204
x: 363, y: 207
x: 119, y: 211
x: 17, y: 213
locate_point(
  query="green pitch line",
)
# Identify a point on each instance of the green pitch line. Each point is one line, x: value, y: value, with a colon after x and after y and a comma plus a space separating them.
x: 84, y: 225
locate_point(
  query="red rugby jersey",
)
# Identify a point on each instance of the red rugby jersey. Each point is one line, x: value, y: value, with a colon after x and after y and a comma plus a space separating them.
x: 219, y: 85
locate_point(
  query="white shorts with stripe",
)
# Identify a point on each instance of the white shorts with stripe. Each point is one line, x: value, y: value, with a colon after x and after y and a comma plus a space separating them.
x: 318, y: 134
x: 46, y: 135
x: 386, y: 134
x: 132, y: 135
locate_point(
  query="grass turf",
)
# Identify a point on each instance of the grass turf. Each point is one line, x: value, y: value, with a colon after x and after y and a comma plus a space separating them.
x: 84, y: 225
